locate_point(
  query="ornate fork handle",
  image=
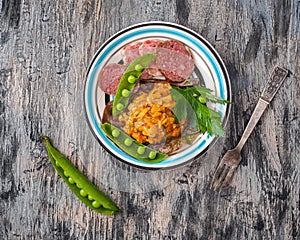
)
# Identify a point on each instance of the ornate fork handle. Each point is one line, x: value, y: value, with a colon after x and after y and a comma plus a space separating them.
x: 276, y: 79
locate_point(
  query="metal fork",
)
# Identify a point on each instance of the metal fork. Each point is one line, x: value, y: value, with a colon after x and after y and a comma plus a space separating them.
x: 230, y: 161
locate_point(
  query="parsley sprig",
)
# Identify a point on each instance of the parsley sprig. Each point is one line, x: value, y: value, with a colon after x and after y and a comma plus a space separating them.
x: 191, y: 106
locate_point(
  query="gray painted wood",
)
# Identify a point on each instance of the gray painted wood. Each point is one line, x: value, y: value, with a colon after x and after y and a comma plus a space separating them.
x: 45, y: 48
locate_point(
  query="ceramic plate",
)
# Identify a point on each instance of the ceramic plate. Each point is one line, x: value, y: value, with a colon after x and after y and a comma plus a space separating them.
x: 209, y: 68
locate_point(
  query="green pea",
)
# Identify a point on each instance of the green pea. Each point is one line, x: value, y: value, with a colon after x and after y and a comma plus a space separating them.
x: 71, y: 180
x: 139, y: 67
x: 96, y: 204
x: 83, y: 193
x: 152, y: 155
x: 141, y: 150
x: 128, y: 142
x: 115, y: 132
x: 78, y: 185
x: 125, y: 93
x: 66, y: 174
x: 131, y: 79
x: 120, y: 106
x: 90, y: 198
x: 202, y: 99
x: 57, y: 164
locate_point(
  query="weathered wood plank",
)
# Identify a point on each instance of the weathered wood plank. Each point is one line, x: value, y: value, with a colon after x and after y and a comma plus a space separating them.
x: 45, y: 48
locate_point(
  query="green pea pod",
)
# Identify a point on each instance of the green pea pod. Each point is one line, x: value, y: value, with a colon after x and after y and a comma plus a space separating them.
x: 131, y: 146
x: 87, y: 192
x: 128, y: 80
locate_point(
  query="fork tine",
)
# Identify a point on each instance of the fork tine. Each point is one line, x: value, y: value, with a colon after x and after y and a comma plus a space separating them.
x: 220, y: 180
x: 228, y: 178
x: 217, y: 173
x: 220, y: 175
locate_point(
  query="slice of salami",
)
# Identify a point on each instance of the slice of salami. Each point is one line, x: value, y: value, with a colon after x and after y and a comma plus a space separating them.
x: 130, y: 52
x: 174, y: 60
x: 110, y: 76
x: 149, y: 47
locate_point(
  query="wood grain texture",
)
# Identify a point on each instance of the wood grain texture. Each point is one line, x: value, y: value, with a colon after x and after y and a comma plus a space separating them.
x: 45, y: 48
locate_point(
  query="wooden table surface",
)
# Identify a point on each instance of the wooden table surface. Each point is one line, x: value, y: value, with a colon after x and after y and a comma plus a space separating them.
x: 45, y: 48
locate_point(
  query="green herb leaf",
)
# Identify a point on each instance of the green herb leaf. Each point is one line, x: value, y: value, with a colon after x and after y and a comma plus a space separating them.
x: 182, y: 108
x: 207, y: 94
x: 179, y: 110
x: 206, y: 118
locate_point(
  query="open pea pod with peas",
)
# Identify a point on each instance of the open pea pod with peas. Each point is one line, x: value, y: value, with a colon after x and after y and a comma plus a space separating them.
x: 128, y: 80
x: 131, y: 146
x: 86, y: 191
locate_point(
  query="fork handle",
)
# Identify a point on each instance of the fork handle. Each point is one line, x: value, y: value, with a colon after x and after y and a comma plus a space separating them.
x: 258, y: 111
x: 274, y: 83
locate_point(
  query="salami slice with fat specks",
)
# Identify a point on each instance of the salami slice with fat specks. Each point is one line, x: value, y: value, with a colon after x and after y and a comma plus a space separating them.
x: 149, y: 47
x: 133, y: 50
x: 130, y: 52
x: 174, y: 60
x: 110, y: 76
